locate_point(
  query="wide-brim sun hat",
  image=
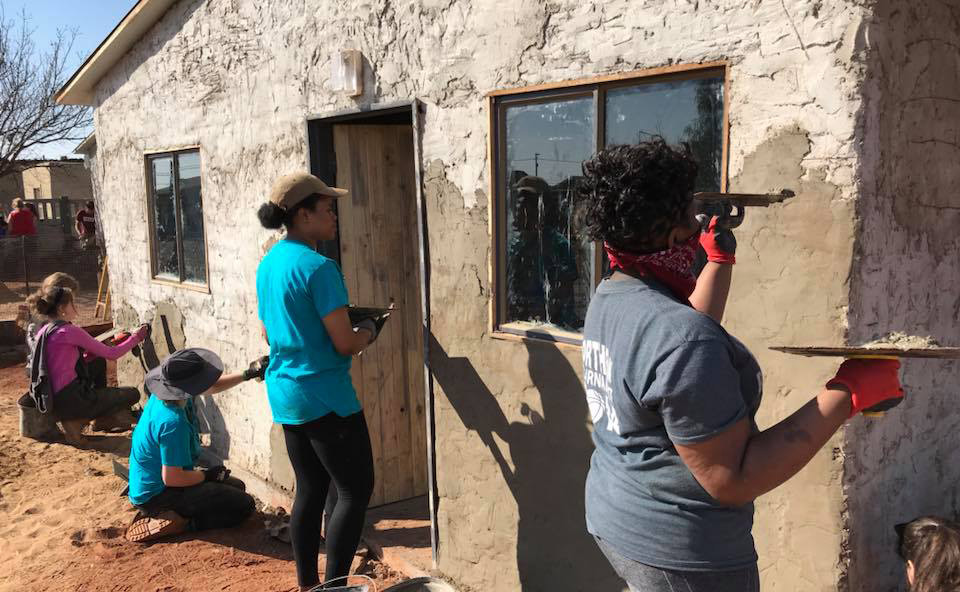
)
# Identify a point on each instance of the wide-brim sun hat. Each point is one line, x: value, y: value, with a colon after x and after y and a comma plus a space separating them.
x: 289, y: 190
x: 184, y: 374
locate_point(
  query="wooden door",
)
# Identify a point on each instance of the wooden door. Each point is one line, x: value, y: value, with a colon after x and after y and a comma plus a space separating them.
x: 380, y: 258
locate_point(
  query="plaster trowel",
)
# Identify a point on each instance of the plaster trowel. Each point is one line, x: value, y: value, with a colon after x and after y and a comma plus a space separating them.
x: 379, y: 316
x: 894, y: 349
x: 720, y: 204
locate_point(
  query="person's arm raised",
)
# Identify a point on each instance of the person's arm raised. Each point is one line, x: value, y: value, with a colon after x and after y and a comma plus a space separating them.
x: 713, y: 288
x: 713, y: 285
x: 255, y: 371
x: 80, y: 338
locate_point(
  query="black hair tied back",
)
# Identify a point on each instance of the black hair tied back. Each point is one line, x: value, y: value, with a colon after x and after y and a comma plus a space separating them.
x: 271, y: 215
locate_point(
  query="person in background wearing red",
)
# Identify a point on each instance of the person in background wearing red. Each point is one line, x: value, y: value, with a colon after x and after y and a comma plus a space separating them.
x: 86, y: 225
x: 20, y: 220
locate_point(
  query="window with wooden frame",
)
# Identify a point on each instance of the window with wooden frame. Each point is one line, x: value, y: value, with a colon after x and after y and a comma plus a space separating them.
x: 545, y: 271
x: 177, y: 237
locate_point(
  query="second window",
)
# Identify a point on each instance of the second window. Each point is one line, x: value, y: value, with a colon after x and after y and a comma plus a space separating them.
x: 178, y: 243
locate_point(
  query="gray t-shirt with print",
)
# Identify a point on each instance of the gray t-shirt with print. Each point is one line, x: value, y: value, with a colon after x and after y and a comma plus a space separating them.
x: 659, y: 373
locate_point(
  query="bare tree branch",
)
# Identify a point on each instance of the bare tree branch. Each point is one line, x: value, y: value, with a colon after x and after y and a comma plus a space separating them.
x: 29, y: 115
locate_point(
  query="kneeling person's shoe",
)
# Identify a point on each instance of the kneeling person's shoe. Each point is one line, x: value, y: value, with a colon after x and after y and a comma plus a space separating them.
x: 146, y: 529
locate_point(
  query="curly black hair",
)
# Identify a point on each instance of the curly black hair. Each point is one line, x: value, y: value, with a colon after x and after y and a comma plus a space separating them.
x: 632, y: 196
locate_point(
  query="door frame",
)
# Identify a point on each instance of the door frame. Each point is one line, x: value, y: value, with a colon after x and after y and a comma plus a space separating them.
x: 318, y: 131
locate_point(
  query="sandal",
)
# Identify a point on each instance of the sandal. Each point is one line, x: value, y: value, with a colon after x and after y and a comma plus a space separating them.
x: 145, y: 529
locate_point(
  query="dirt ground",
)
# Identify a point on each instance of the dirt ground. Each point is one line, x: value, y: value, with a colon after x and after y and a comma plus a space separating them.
x: 62, y: 521
x: 13, y: 294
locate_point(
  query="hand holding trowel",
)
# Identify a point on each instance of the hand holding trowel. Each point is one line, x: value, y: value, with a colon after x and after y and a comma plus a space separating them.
x: 870, y: 371
x: 720, y: 213
x: 710, y: 204
x: 118, y: 336
x: 370, y: 318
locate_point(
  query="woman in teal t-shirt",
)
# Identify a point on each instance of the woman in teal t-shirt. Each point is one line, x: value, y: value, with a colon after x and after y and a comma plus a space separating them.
x: 302, y: 303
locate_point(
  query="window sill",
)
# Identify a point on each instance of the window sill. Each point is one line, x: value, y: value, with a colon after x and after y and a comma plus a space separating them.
x: 202, y: 288
x: 522, y: 332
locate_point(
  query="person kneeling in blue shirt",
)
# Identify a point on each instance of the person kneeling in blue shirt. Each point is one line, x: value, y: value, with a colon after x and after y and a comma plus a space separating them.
x: 171, y: 495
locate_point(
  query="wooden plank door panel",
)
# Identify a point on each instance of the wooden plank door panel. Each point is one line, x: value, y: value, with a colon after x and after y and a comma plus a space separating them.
x: 379, y: 255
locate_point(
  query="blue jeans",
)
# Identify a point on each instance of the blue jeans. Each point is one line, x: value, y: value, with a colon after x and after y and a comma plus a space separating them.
x: 643, y: 578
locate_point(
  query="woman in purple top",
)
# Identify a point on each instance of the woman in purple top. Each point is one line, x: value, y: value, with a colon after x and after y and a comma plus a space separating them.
x: 78, y: 396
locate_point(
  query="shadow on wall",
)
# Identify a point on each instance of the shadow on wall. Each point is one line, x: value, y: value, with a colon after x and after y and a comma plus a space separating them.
x: 551, y: 455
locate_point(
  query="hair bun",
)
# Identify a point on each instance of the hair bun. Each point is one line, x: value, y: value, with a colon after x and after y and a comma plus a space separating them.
x: 271, y: 215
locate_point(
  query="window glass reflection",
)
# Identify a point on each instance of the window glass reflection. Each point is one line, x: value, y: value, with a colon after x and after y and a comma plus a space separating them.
x: 688, y: 111
x: 548, y: 267
x: 164, y: 218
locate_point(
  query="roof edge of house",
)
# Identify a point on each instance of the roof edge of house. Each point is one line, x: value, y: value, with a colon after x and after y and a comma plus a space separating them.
x: 88, y: 143
x: 78, y: 90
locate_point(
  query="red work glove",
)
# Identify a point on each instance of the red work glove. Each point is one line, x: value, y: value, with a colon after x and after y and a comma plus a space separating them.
x: 719, y: 243
x: 870, y: 382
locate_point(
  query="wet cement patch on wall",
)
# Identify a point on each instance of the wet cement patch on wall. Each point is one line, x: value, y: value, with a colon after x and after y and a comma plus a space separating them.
x: 166, y: 337
x: 790, y: 287
x: 281, y: 471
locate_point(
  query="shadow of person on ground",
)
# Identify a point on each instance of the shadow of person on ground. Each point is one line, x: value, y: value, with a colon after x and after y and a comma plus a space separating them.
x: 251, y: 537
x: 550, y: 453
x: 118, y: 445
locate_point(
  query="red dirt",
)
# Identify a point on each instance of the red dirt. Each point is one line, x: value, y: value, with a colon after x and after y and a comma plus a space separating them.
x: 62, y: 521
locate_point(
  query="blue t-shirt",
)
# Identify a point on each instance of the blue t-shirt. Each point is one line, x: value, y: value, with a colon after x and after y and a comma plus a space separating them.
x: 307, y: 378
x: 163, y: 436
x: 657, y: 374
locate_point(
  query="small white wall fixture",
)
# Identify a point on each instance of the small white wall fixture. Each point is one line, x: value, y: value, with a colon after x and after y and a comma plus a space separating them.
x: 346, y: 72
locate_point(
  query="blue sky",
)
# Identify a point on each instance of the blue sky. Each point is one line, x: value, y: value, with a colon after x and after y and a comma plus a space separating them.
x: 92, y: 19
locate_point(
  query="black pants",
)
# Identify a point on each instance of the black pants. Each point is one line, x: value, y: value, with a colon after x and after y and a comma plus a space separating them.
x: 329, y: 448
x: 92, y: 399
x: 207, y: 505
x: 97, y: 372
x: 78, y: 402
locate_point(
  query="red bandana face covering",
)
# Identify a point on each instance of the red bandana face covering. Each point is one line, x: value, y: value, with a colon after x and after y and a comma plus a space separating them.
x: 670, y: 267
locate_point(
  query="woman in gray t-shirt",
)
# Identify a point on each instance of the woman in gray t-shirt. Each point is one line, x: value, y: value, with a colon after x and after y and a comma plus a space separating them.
x: 679, y: 459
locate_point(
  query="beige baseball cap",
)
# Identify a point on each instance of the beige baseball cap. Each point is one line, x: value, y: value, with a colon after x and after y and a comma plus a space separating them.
x: 289, y: 190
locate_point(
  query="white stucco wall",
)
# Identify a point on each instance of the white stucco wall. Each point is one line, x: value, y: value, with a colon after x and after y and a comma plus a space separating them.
x: 238, y: 78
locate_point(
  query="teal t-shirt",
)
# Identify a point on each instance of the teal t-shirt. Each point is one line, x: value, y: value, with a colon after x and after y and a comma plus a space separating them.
x: 307, y: 378
x: 163, y: 436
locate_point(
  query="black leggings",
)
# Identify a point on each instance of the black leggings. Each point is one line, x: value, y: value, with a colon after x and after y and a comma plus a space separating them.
x: 329, y: 448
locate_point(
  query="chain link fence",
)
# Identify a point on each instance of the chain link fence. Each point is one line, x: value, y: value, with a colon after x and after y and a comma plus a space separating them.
x: 26, y: 260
